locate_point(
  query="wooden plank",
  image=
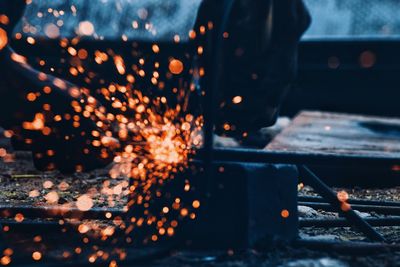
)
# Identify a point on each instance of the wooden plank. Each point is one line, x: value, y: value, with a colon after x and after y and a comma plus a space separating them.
x: 340, y: 134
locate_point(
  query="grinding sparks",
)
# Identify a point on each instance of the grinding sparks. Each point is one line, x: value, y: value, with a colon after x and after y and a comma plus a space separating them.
x: 157, y: 141
x: 156, y: 138
x: 161, y: 142
x: 157, y: 135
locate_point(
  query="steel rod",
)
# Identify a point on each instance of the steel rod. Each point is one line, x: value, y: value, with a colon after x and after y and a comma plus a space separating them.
x: 312, y: 180
x: 341, y: 222
x: 346, y: 247
x: 243, y: 155
x: 353, y: 201
x: 364, y: 208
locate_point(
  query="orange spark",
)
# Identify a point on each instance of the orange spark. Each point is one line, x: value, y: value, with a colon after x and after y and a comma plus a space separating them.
x: 119, y: 64
x: 176, y: 66
x: 84, y: 203
x: 86, y: 28
x: 3, y: 39
x: 36, y: 255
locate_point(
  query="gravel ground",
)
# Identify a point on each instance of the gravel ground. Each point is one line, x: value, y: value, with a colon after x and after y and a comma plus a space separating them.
x: 21, y: 184
x: 16, y: 189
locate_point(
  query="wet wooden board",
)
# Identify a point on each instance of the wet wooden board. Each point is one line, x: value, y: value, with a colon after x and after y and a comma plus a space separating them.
x: 340, y: 134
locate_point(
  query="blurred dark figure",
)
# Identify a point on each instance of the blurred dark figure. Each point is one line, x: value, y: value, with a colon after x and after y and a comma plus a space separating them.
x: 259, y: 58
x: 46, y: 114
x: 253, y: 69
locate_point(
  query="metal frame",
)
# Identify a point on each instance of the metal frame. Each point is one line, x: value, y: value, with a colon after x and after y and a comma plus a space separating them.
x: 311, y: 179
x: 259, y: 156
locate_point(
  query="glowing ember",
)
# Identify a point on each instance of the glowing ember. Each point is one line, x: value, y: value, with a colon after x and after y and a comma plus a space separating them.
x: 345, y: 206
x: 63, y: 186
x: 285, y: 214
x: 3, y: 39
x: 155, y: 48
x: 119, y: 63
x: 4, y: 19
x: 157, y: 135
x: 52, y: 197
x: 34, y: 193
x: 36, y: 124
x: 8, y: 252
x: 237, y: 100
x: 48, y: 184
x: 196, y: 204
x: 36, y: 255
x: 84, y: 203
x: 52, y: 31
x: 5, y: 260
x: 83, y: 228
x: 342, y: 196
x: 19, y: 217
x: 31, y: 40
x: 176, y: 66
x: 3, y: 152
x: 86, y: 28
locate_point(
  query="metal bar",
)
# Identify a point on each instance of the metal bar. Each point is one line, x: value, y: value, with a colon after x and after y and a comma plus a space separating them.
x: 58, y: 212
x: 209, y: 112
x: 352, y: 201
x: 212, y: 81
x: 312, y: 180
x: 346, y: 247
x: 364, y: 208
x: 215, y: 43
x: 341, y: 222
x: 244, y: 155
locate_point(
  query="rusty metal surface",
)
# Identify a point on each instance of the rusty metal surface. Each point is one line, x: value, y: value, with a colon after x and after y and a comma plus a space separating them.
x: 320, y: 133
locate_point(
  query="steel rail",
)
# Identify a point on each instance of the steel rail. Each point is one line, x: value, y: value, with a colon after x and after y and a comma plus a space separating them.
x: 346, y: 247
x: 364, y: 208
x: 243, y: 155
x: 352, y: 201
x: 329, y: 195
x: 341, y: 222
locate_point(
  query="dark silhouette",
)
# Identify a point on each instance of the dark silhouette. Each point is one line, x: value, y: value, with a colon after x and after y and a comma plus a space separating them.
x: 259, y: 61
x: 45, y: 112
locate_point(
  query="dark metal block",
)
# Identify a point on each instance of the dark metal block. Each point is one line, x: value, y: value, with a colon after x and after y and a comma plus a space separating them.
x: 245, y: 204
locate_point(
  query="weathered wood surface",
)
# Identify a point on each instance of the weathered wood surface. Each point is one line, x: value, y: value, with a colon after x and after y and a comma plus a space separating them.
x: 340, y: 134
